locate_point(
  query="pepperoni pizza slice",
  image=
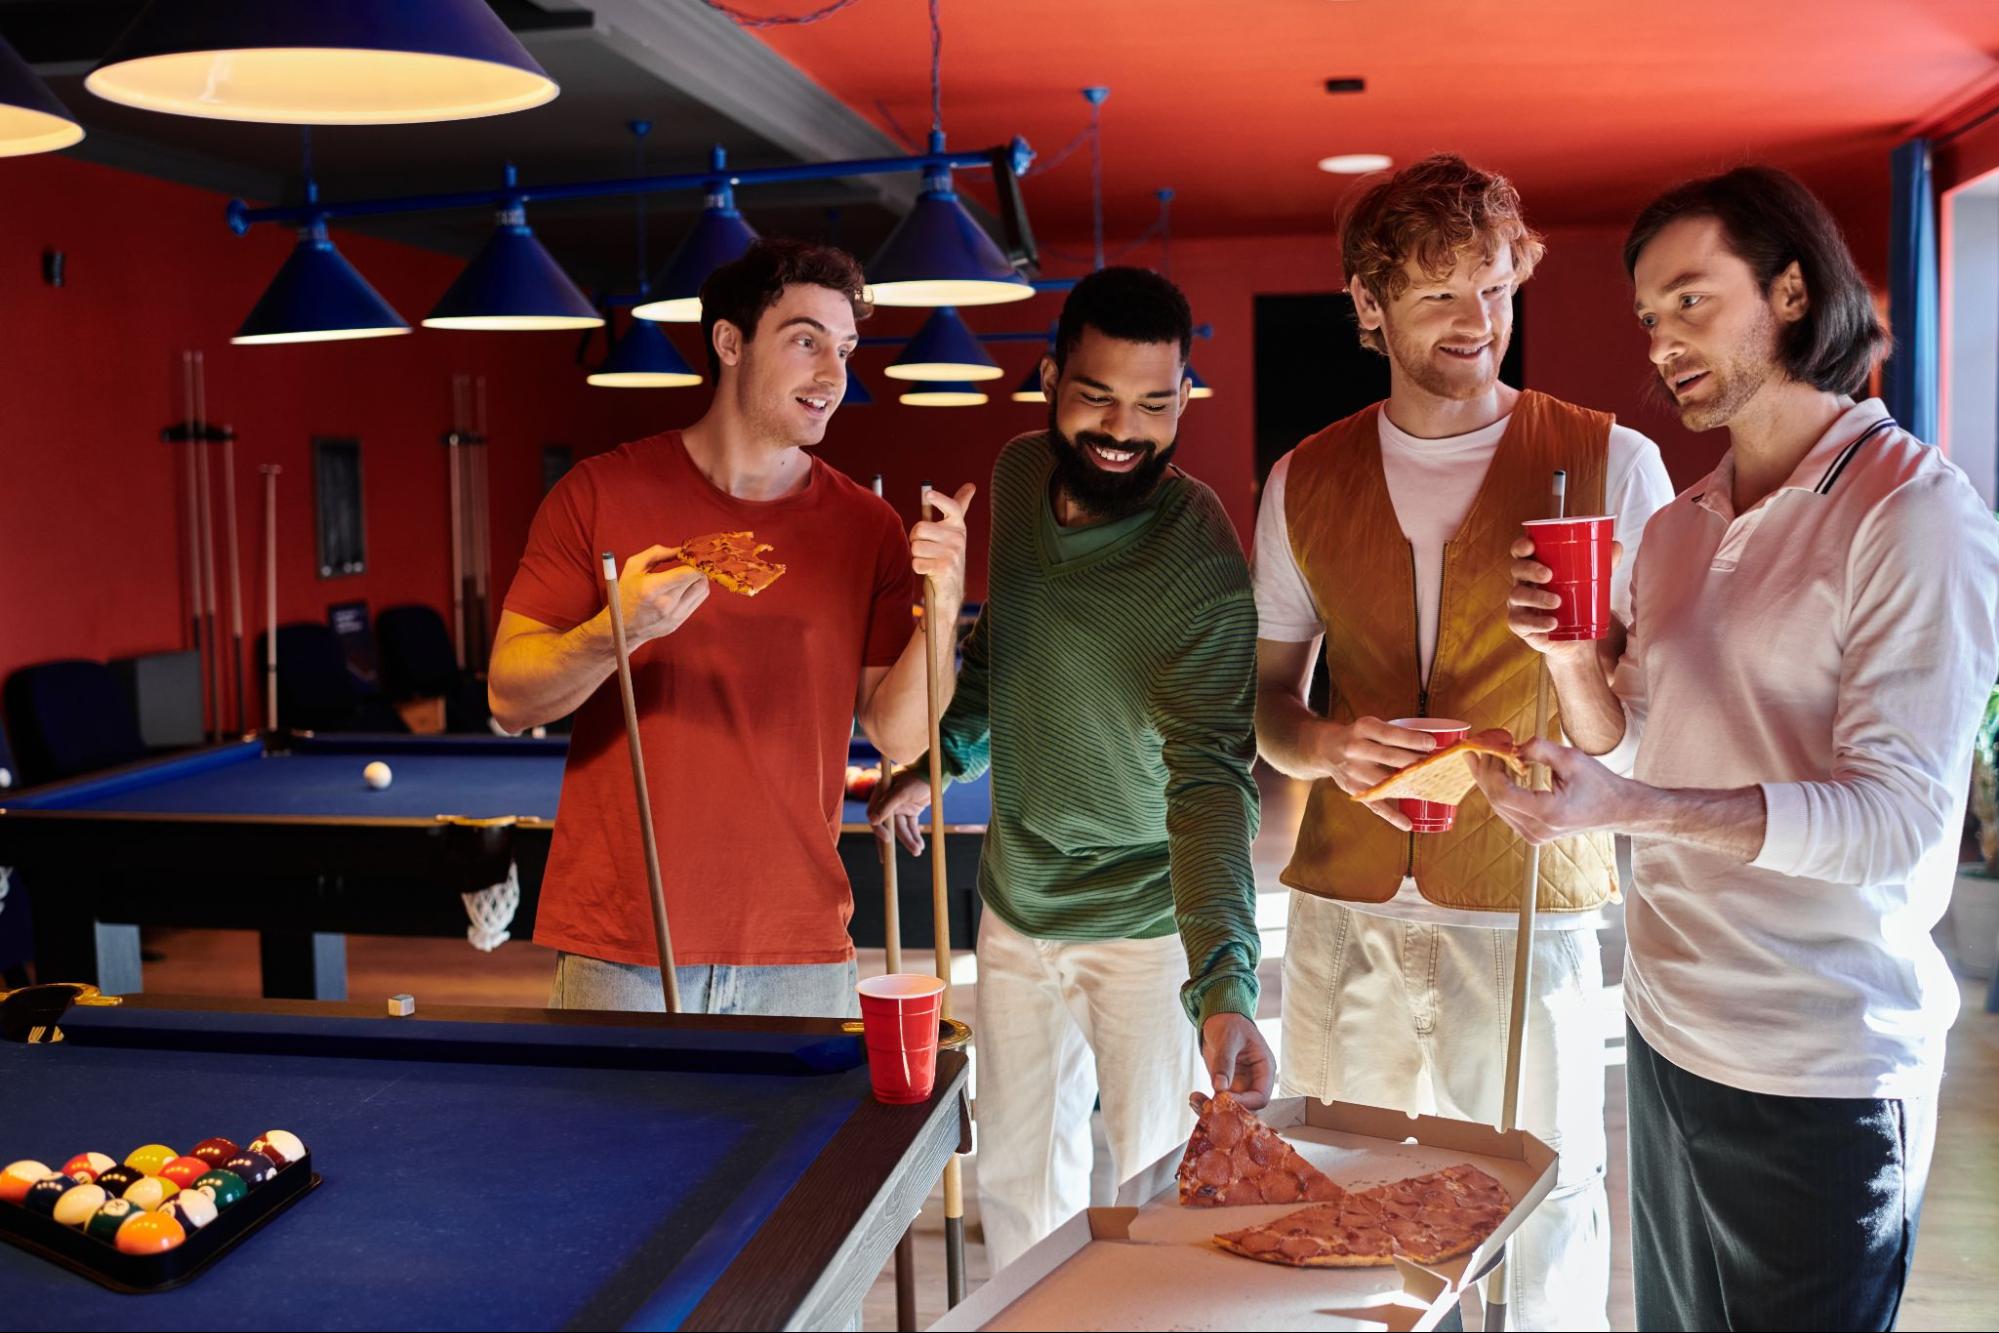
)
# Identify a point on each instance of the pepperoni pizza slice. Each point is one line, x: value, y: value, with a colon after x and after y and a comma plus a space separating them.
x: 1234, y: 1158
x: 732, y: 560
x: 1425, y: 1219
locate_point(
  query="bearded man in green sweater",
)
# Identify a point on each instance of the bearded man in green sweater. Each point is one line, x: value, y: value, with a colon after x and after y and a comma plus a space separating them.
x: 1110, y: 685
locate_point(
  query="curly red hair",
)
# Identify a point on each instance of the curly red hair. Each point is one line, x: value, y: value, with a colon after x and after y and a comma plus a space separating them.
x: 1433, y: 212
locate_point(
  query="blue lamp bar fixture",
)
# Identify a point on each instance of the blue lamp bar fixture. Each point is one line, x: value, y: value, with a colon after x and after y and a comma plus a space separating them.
x: 943, y: 393
x: 513, y: 285
x: 645, y: 358
x: 944, y: 349
x: 32, y: 119
x: 1029, y: 388
x: 321, y: 62
x: 318, y: 297
x: 938, y: 255
x: 720, y: 236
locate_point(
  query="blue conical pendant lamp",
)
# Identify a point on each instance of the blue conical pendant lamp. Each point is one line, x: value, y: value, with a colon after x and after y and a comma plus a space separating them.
x: 939, y: 256
x: 719, y: 237
x: 857, y: 394
x: 1200, y: 389
x: 321, y: 62
x: 944, y: 349
x: 318, y: 297
x: 514, y: 285
x: 32, y: 119
x: 1029, y: 388
x: 941, y: 393
x: 645, y: 358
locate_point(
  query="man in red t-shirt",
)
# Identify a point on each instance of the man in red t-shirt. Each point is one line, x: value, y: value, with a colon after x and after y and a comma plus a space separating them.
x: 745, y: 705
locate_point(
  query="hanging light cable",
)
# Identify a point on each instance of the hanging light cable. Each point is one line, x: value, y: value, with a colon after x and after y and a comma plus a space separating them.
x: 645, y: 358
x: 938, y: 255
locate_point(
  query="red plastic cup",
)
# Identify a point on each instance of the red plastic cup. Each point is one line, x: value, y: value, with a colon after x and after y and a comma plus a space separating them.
x: 1432, y: 816
x: 899, y: 1018
x: 1577, y: 550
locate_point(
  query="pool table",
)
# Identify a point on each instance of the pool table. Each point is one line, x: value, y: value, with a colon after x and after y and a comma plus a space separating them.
x: 280, y: 835
x: 493, y: 1168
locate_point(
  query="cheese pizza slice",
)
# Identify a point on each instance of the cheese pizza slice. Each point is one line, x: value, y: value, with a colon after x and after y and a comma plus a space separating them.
x: 1445, y: 776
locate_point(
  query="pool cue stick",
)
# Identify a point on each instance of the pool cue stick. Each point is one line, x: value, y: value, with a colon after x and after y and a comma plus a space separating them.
x: 193, y: 527
x: 452, y: 446
x: 211, y: 614
x: 238, y: 717
x: 270, y: 473
x: 1523, y: 944
x: 905, y: 1248
x: 891, y: 894
x: 940, y: 920
x: 668, y: 980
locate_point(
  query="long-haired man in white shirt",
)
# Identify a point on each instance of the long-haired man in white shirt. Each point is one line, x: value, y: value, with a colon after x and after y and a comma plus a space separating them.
x: 1380, y: 537
x: 1812, y: 640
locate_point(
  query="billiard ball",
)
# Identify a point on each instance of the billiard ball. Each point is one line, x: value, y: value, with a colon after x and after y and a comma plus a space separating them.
x: 280, y: 1145
x: 43, y: 1195
x: 91, y: 1164
x: 20, y: 1176
x: 377, y: 775
x: 76, y: 1205
x: 114, y: 1213
x: 192, y: 1208
x: 150, y: 1158
x: 150, y: 1233
x: 227, y: 1188
x: 216, y: 1151
x: 254, y: 1167
x: 119, y: 1179
x: 149, y: 1192
x: 183, y: 1171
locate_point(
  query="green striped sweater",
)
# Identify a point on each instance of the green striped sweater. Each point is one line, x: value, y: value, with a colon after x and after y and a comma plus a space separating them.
x: 1113, y: 695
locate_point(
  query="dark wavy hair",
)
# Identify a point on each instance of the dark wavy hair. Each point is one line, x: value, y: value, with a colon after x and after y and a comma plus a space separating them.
x: 1132, y: 305
x: 741, y: 291
x: 1771, y: 221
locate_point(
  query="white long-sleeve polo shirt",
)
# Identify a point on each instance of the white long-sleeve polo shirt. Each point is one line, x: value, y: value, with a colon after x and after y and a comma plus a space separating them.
x: 1833, y: 644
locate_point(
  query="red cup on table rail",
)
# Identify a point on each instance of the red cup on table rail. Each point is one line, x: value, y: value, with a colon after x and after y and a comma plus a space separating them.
x: 1577, y: 551
x: 899, y: 1022
x: 1432, y: 816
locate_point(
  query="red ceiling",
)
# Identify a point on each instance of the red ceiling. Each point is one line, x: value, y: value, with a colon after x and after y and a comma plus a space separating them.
x: 1589, y: 104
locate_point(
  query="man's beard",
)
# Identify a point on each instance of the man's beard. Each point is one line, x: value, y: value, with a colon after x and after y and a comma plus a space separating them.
x: 1738, y: 377
x: 1101, y: 494
x: 1417, y: 362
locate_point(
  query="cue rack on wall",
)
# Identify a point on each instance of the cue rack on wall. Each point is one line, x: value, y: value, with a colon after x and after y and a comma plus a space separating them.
x: 471, y: 555
x: 199, y: 439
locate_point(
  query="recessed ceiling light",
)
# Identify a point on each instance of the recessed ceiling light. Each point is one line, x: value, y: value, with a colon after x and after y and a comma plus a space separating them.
x: 1356, y: 164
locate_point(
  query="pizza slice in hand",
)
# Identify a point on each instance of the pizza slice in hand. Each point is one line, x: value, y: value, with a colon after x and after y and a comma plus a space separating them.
x: 1234, y: 1158
x: 1445, y: 775
x: 732, y: 560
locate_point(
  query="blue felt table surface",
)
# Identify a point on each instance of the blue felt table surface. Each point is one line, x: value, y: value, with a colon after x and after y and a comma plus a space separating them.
x: 474, y: 779
x: 458, y: 1193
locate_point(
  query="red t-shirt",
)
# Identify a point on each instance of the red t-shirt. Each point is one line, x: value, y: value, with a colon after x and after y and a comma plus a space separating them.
x: 745, y: 712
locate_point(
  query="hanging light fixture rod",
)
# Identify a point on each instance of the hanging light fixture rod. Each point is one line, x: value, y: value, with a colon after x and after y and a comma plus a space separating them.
x: 1012, y: 336
x: 1015, y: 156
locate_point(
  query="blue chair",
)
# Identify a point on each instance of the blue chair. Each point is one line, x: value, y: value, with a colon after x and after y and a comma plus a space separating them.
x: 419, y: 662
x: 71, y: 717
x: 316, y: 689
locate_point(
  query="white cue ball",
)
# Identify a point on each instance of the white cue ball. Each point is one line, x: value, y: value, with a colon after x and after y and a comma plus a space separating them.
x: 377, y: 775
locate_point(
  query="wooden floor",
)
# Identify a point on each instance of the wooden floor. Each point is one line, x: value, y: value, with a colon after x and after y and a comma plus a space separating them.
x: 1955, y: 1284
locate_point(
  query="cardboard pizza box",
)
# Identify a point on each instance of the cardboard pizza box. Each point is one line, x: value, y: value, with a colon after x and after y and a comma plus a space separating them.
x: 1149, y: 1263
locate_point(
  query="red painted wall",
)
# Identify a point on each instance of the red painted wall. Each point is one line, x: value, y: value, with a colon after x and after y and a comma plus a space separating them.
x: 91, y: 543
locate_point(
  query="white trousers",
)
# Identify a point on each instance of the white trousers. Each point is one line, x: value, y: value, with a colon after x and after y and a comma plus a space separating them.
x: 1395, y: 1013
x: 1060, y: 1023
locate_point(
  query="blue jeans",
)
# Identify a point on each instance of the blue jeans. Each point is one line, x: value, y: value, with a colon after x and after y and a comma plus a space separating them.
x: 809, y: 990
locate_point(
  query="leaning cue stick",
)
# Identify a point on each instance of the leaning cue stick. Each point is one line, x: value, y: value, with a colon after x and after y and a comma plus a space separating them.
x: 668, y: 980
x: 1523, y: 945
x: 905, y: 1248
x: 940, y: 920
x: 270, y: 473
x: 240, y: 719
x: 891, y: 894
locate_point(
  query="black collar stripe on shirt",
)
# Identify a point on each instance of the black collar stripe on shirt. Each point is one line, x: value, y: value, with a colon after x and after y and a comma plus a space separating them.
x: 1846, y: 455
